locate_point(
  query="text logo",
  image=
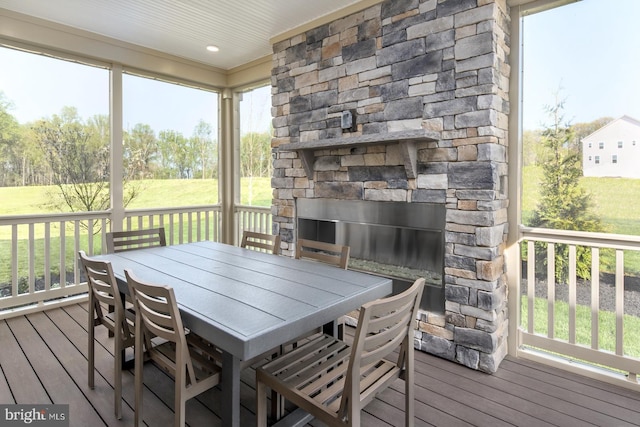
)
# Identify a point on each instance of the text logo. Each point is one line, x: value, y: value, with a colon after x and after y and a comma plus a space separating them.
x: 34, y: 415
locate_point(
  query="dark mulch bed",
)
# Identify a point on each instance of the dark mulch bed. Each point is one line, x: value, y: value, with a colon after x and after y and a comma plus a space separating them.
x: 607, y: 293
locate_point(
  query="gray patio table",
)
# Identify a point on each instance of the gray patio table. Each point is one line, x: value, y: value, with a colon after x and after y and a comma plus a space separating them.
x: 248, y: 302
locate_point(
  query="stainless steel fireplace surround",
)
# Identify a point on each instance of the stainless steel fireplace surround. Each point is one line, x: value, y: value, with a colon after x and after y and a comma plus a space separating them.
x: 402, y: 241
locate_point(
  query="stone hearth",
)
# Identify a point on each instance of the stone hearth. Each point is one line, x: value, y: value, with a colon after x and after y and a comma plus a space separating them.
x: 428, y: 83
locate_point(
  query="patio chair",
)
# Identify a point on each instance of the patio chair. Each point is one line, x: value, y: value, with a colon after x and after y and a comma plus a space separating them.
x: 329, y: 253
x: 119, y: 241
x: 333, y: 381
x: 103, y: 291
x: 261, y: 241
x: 193, y: 362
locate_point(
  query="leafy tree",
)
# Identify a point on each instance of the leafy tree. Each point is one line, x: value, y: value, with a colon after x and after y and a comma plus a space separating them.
x: 255, y: 157
x: 206, y: 150
x: 531, y: 147
x: 78, y: 157
x: 141, y: 151
x: 255, y: 154
x: 177, y: 155
x: 564, y: 204
x: 9, y: 139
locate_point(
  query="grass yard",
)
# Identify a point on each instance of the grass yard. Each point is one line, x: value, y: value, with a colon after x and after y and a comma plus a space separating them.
x: 615, y: 200
x: 152, y: 193
x: 606, y: 326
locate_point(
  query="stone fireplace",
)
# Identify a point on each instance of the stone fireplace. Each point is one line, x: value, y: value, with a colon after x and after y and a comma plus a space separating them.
x: 407, y: 102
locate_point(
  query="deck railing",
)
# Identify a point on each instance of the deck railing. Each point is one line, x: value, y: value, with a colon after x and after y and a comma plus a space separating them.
x: 34, y: 249
x: 590, y: 321
x: 252, y: 218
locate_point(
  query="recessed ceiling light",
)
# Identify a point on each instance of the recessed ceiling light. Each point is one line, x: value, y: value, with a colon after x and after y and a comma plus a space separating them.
x: 212, y: 48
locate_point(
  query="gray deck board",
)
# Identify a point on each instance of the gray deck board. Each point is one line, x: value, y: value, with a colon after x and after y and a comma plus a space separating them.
x: 43, y: 359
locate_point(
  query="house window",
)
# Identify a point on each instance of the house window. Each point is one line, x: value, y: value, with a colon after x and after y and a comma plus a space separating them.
x: 601, y: 145
x: 619, y: 144
x: 589, y: 158
x: 614, y: 158
x: 597, y: 160
x: 589, y: 145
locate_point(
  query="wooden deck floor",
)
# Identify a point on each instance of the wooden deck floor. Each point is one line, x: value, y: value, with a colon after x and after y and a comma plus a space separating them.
x: 43, y: 360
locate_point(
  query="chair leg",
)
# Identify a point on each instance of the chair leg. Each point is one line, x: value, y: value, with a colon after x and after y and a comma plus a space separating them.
x: 261, y: 404
x: 117, y: 378
x: 139, y: 376
x: 179, y: 398
x: 409, y: 386
x: 91, y: 351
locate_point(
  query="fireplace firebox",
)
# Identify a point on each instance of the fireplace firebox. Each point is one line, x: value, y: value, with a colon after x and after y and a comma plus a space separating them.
x: 402, y: 241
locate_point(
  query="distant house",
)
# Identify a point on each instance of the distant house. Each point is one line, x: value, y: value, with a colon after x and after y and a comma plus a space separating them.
x: 613, y: 150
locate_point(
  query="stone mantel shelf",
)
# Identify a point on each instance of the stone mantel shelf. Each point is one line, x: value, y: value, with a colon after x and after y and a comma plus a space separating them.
x: 405, y: 139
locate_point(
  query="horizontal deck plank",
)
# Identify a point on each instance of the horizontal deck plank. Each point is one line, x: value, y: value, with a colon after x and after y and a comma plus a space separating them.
x: 44, y: 359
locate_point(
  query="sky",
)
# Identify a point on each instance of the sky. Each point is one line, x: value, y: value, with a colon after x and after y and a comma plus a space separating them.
x: 569, y: 51
x: 39, y: 86
x: 588, y: 53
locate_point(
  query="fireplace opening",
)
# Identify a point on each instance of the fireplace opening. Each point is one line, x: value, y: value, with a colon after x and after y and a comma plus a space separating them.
x: 402, y: 241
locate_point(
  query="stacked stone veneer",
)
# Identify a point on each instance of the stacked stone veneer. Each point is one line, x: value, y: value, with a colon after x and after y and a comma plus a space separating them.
x: 402, y: 65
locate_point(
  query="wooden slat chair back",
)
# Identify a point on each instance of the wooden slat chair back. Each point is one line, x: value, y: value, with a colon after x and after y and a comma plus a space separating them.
x: 193, y: 362
x: 119, y: 241
x: 103, y: 293
x: 333, y: 381
x: 329, y: 253
x: 261, y: 241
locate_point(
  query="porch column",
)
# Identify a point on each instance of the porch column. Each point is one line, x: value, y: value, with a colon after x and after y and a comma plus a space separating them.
x: 227, y: 179
x: 116, y: 181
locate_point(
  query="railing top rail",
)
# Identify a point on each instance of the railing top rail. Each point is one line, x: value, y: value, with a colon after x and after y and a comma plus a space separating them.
x: 52, y: 217
x: 250, y: 208
x: 582, y: 238
x: 169, y: 210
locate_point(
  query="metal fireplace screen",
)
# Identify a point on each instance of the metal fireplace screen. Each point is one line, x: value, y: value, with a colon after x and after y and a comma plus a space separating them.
x: 402, y: 241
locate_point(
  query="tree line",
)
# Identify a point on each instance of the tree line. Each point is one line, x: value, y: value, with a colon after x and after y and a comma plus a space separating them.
x: 65, y: 147
x: 73, y: 154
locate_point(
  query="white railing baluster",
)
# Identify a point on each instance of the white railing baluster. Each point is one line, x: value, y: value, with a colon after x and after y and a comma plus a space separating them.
x: 63, y: 254
x: 171, y: 232
x: 551, y: 289
x: 76, y: 249
x: 199, y: 226
x: 14, y: 260
x: 90, y: 236
x: 47, y: 256
x: 531, y: 285
x: 32, y: 259
x: 572, y: 294
x: 595, y: 298
x: 180, y: 228
x: 619, y: 302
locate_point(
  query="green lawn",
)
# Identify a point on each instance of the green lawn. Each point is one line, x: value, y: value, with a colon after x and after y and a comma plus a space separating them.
x: 606, y: 326
x: 152, y: 193
x: 615, y: 200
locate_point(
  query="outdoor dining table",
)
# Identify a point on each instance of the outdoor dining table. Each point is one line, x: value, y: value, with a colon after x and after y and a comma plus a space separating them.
x: 247, y: 302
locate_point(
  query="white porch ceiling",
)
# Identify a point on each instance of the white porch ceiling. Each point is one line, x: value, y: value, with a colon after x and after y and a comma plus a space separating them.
x: 240, y: 28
